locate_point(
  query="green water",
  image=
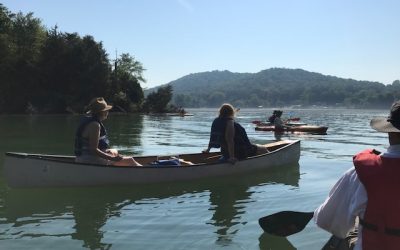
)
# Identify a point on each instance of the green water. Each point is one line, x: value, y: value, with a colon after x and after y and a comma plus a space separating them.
x: 206, y: 214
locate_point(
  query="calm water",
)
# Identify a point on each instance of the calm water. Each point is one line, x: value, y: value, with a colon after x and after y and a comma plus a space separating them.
x: 208, y: 214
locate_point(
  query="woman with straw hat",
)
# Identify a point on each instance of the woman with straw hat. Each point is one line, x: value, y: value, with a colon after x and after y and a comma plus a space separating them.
x: 91, y: 142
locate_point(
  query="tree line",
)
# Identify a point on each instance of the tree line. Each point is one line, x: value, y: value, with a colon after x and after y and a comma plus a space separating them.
x: 280, y: 87
x: 49, y: 71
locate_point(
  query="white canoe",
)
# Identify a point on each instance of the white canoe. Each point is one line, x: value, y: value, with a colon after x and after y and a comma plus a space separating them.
x: 37, y: 170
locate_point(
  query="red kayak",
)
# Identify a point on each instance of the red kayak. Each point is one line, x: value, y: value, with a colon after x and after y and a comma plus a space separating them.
x: 289, y: 123
x: 302, y: 128
x: 295, y: 119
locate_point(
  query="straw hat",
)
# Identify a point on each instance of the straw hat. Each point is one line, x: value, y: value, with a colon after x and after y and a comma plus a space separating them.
x: 390, y: 124
x: 97, y: 105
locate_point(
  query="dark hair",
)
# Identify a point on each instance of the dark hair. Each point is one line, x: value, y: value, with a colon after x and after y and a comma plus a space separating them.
x: 278, y: 113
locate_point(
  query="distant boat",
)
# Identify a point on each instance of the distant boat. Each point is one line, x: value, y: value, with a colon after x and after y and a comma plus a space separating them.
x: 180, y: 114
x: 302, y: 128
x: 290, y: 121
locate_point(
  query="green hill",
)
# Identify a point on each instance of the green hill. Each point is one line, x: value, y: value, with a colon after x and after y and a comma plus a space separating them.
x: 280, y: 87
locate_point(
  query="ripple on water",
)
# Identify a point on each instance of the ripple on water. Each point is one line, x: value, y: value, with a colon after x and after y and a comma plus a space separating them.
x: 207, y: 214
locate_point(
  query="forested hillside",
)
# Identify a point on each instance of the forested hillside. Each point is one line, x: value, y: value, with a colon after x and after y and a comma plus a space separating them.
x: 45, y: 70
x: 280, y: 87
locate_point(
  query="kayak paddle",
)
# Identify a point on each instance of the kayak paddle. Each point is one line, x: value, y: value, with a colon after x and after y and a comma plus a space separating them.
x: 285, y: 223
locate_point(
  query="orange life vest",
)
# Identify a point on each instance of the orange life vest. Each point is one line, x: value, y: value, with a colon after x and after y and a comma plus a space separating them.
x: 381, y: 178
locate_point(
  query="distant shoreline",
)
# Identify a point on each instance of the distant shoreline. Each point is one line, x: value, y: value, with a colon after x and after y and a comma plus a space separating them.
x: 287, y: 109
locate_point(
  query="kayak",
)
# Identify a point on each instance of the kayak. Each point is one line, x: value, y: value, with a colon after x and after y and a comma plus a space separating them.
x: 302, y: 128
x: 289, y: 123
x: 294, y: 119
x: 41, y: 170
x: 179, y: 114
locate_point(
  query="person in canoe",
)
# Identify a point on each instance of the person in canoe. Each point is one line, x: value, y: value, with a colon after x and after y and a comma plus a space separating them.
x: 91, y: 143
x: 181, y: 111
x: 231, y: 137
x: 370, y: 192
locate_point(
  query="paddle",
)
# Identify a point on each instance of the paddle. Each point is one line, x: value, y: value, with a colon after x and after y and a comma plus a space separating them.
x: 285, y: 223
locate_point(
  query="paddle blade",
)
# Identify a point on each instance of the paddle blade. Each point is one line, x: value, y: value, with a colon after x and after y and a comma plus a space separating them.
x: 285, y: 223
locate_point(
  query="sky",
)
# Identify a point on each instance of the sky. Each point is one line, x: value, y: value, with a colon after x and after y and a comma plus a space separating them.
x: 357, y: 39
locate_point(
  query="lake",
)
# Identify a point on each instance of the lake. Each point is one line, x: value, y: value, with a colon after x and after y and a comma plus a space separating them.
x: 206, y: 214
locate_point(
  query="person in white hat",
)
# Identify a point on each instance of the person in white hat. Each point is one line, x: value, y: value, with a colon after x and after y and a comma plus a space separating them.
x: 369, y: 192
x: 91, y: 142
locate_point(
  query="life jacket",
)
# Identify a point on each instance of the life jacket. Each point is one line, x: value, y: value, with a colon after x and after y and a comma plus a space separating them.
x: 82, y: 144
x: 278, y: 124
x: 381, y: 178
x: 242, y: 143
x: 217, y: 134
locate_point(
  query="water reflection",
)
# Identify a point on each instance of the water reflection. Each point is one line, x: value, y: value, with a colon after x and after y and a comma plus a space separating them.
x: 202, y: 215
x: 229, y: 198
x: 89, y: 221
x: 126, y: 132
x: 271, y: 242
x: 279, y: 136
x: 82, y: 213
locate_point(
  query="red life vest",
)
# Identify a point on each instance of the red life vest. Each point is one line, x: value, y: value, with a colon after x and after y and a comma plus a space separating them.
x: 381, y: 178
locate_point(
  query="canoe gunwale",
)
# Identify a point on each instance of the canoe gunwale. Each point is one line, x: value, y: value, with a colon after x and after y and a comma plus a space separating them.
x: 62, y: 158
x: 22, y: 170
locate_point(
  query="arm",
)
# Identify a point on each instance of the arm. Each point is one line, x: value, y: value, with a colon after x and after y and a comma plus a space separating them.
x: 229, y: 138
x: 93, y: 131
x: 346, y: 200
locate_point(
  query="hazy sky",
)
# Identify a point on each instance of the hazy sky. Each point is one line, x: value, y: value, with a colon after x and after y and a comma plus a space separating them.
x: 358, y: 39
